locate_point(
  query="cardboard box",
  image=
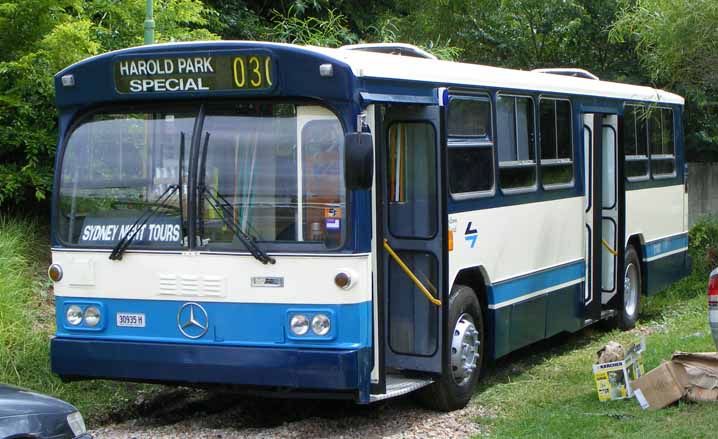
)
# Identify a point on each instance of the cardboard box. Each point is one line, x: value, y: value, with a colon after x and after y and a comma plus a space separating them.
x: 701, y: 368
x: 662, y: 386
x: 614, y: 379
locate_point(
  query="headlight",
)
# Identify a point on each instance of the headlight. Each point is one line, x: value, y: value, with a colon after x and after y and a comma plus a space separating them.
x: 74, y: 315
x: 92, y: 316
x: 299, y: 324
x: 76, y: 423
x: 321, y: 324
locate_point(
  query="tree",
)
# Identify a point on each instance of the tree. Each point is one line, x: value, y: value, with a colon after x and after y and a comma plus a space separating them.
x: 524, y: 34
x: 295, y: 27
x: 677, y: 43
x: 39, y: 38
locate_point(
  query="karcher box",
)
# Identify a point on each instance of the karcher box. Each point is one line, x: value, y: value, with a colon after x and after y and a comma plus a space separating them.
x: 613, y: 379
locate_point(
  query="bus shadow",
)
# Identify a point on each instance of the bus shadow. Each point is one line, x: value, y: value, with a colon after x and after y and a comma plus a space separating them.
x: 223, y: 408
x: 250, y: 416
x: 515, y: 363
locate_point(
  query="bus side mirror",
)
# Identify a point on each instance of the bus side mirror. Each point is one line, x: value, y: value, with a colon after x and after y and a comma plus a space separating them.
x: 358, y: 161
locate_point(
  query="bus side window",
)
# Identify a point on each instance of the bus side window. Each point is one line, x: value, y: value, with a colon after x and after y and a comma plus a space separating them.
x: 661, y: 139
x: 471, y: 148
x: 516, y: 142
x: 555, y: 142
x: 635, y: 141
x: 411, y: 182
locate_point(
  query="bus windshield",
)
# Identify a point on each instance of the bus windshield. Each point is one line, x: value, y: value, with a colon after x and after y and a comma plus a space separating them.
x: 273, y: 170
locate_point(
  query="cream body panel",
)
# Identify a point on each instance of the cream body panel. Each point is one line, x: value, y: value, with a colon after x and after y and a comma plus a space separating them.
x: 212, y: 277
x: 655, y: 212
x: 520, y: 239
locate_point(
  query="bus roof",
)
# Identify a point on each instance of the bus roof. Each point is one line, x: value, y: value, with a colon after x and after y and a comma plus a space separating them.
x: 387, y: 66
x: 374, y: 65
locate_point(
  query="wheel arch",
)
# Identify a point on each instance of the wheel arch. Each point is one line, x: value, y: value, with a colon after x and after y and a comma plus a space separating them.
x: 637, y: 242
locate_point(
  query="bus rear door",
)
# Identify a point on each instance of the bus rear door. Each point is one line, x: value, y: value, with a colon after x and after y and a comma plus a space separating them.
x: 604, y: 213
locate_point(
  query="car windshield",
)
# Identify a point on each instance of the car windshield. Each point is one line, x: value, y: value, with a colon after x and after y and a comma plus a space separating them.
x: 273, y: 170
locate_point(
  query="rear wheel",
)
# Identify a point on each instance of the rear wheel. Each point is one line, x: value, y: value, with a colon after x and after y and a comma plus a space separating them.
x: 464, y: 337
x: 630, y: 303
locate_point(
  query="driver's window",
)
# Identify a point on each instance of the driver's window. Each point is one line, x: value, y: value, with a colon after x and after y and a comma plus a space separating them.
x: 322, y: 180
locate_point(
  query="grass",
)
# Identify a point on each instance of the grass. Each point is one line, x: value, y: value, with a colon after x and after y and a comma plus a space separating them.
x: 27, y: 323
x: 548, y: 390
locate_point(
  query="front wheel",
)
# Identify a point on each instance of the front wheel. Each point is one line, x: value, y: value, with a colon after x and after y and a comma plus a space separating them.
x: 464, y: 337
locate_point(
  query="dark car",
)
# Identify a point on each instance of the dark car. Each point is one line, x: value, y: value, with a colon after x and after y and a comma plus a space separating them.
x: 25, y: 414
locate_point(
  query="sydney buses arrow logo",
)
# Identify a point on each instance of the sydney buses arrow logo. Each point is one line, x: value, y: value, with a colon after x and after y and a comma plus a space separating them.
x: 471, y: 234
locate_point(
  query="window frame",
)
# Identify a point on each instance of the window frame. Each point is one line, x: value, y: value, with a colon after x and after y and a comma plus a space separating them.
x: 476, y: 97
x: 120, y: 108
x: 478, y: 142
x: 663, y: 157
x: 650, y: 157
x: 557, y: 161
x: 519, y: 163
x: 200, y: 106
x: 639, y: 158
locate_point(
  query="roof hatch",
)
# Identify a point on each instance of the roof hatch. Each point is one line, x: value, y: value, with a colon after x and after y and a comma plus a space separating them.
x: 401, y: 49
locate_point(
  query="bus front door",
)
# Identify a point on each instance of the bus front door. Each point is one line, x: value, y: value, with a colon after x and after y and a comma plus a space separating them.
x: 604, y: 214
x: 411, y: 229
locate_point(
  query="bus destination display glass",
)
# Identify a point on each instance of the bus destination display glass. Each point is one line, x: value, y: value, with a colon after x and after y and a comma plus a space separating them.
x: 249, y: 72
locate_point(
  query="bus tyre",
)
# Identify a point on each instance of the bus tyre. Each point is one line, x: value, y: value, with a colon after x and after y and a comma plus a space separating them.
x: 629, y: 304
x: 464, y: 338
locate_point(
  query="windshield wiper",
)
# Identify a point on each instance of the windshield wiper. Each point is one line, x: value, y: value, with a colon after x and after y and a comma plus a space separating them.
x: 151, y: 210
x: 161, y: 202
x: 224, y: 210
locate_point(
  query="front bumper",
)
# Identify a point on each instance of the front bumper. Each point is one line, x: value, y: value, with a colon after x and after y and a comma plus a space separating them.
x: 301, y: 369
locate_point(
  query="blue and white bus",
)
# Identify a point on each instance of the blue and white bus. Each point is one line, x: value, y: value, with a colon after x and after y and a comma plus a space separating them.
x: 351, y: 223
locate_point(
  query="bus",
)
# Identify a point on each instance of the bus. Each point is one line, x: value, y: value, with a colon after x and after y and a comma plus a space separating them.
x: 359, y: 223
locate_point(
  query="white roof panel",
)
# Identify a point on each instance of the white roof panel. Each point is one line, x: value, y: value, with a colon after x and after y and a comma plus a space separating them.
x: 379, y: 65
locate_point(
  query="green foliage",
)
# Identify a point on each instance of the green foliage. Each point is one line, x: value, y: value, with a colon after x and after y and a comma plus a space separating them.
x: 677, y: 43
x: 235, y: 20
x: 523, y: 34
x: 27, y: 322
x: 119, y: 24
x: 703, y: 245
x: 41, y: 37
x: 295, y: 27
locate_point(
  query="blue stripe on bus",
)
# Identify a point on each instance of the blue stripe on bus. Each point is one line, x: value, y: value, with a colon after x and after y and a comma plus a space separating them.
x: 665, y: 245
x: 230, y: 324
x: 516, y: 288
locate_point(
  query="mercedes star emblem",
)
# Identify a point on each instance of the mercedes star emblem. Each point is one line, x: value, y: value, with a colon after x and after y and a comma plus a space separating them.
x: 192, y: 320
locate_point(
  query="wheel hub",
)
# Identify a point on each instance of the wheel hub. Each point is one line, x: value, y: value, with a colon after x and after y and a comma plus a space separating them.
x: 465, y: 353
x: 630, y: 289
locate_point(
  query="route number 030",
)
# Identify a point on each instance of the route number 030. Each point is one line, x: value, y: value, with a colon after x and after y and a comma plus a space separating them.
x: 252, y: 71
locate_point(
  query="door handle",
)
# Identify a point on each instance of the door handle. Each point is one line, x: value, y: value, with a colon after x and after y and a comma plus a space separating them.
x: 411, y: 275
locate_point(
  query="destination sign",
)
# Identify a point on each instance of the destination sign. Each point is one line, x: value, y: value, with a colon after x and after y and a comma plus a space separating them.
x: 109, y: 231
x: 250, y: 72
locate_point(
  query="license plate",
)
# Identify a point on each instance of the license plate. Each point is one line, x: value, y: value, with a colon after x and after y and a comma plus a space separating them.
x: 131, y: 320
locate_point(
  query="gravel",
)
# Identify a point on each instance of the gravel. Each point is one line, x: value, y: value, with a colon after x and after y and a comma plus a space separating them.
x: 192, y: 413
